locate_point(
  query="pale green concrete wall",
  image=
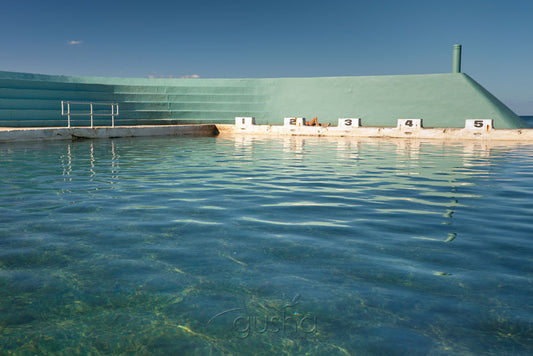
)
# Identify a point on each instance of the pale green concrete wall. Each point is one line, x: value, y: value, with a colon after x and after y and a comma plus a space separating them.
x: 441, y: 100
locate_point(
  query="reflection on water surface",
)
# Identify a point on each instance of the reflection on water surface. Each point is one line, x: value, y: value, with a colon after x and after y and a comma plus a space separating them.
x: 249, y: 245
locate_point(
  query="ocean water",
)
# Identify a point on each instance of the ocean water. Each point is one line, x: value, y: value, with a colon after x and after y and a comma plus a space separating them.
x: 261, y: 246
x: 528, y: 120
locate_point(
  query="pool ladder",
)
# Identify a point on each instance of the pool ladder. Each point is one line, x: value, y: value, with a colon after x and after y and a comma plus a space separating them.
x: 91, y: 113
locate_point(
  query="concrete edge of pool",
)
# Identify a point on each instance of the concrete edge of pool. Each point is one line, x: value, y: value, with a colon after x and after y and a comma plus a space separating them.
x: 8, y: 134
x: 444, y: 133
x: 62, y: 133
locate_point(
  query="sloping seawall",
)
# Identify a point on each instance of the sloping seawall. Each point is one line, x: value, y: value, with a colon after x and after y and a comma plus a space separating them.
x: 441, y: 100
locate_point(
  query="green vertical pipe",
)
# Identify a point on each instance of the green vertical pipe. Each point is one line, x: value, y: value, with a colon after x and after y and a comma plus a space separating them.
x: 456, y: 58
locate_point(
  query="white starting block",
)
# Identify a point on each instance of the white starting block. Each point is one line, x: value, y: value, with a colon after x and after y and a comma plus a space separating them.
x: 349, y: 123
x: 243, y: 122
x: 294, y: 121
x: 479, y: 124
x: 409, y: 124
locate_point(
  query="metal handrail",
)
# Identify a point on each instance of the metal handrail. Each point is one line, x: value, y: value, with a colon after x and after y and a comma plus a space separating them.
x: 68, y: 113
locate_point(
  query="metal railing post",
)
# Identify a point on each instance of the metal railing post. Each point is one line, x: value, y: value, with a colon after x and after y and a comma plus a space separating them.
x: 112, y: 115
x: 63, y: 112
x: 92, y: 121
x: 68, y: 111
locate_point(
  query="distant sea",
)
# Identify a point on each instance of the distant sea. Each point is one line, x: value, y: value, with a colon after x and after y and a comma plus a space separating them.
x: 528, y: 119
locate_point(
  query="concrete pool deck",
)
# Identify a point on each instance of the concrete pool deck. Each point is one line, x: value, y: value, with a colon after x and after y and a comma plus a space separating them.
x: 445, y: 133
x: 9, y: 134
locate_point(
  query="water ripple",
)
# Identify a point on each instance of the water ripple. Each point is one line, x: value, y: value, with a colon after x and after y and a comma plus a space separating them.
x: 171, y: 245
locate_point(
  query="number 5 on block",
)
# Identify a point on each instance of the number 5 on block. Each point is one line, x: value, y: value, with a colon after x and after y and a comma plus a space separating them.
x: 479, y: 124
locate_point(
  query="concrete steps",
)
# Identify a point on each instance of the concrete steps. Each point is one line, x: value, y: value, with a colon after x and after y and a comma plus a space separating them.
x: 29, y: 103
x: 52, y: 94
x: 185, y: 104
x: 36, y: 101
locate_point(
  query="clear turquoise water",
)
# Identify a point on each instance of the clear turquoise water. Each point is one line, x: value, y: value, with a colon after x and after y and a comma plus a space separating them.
x: 242, y: 246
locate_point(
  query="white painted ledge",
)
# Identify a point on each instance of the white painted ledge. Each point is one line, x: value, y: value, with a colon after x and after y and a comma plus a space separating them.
x: 444, y: 133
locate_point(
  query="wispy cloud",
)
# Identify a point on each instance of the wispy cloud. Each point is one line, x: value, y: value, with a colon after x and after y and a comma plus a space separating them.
x: 154, y: 75
x: 74, y: 42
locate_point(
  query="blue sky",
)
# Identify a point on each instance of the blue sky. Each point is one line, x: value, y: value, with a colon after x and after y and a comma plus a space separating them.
x: 286, y: 38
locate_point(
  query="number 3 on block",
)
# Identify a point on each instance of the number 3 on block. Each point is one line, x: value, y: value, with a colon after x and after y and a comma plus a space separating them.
x: 349, y: 123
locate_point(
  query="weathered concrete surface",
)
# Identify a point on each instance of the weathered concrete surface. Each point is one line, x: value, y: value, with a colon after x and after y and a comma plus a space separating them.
x: 383, y: 132
x: 63, y: 133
